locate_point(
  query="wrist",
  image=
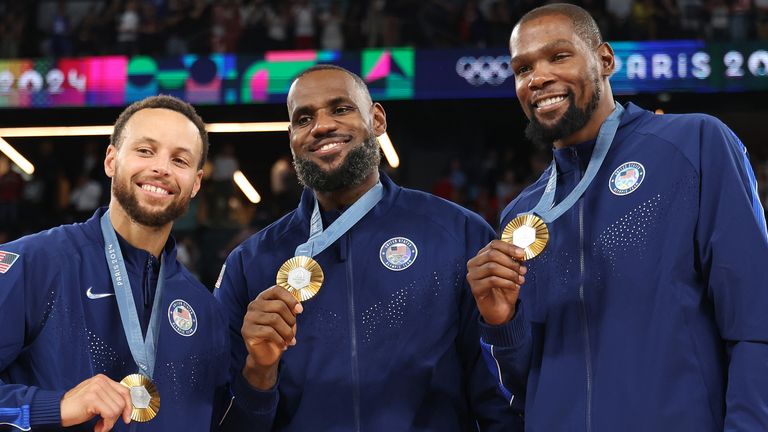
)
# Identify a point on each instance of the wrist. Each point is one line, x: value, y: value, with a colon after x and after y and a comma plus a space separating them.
x: 258, y: 376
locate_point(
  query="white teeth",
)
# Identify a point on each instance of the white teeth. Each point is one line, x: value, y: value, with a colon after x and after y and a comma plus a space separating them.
x: 154, y: 189
x: 328, y: 146
x: 550, y: 101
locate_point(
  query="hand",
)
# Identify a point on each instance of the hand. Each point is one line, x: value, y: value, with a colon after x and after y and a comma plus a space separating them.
x: 96, y: 396
x: 495, y: 275
x: 269, y: 328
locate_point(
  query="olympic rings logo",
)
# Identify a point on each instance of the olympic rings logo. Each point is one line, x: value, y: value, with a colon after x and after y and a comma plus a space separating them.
x: 484, y: 70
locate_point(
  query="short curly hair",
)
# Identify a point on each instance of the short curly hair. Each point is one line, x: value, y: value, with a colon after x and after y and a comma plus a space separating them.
x: 164, y: 102
x: 583, y: 23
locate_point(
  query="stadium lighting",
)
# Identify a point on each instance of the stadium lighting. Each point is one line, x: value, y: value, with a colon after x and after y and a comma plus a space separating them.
x: 389, y: 151
x: 16, y: 157
x: 50, y: 131
x: 242, y: 182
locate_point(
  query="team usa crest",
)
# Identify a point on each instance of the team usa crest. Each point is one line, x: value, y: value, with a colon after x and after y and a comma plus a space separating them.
x: 182, y: 317
x: 398, y: 253
x: 626, y: 178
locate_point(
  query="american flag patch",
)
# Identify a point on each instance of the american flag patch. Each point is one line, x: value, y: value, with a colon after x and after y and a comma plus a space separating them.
x: 6, y: 260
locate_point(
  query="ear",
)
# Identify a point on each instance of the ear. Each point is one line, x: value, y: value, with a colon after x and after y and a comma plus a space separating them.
x: 607, y: 59
x: 198, y: 182
x: 109, y: 161
x: 379, y: 119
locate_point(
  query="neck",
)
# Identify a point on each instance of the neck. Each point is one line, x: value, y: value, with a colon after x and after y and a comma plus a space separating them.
x: 339, y: 199
x: 590, y: 131
x: 150, y: 239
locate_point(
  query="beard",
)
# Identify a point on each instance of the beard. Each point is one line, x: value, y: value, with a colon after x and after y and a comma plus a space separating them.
x: 360, y: 162
x: 156, y: 219
x: 573, y: 120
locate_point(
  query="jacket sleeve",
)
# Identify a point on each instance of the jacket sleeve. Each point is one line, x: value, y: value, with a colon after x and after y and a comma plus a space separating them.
x: 251, y: 409
x: 507, y: 353
x: 732, y: 246
x: 488, y: 402
x: 21, y: 405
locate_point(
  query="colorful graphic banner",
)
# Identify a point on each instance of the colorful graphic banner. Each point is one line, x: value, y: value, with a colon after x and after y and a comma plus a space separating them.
x: 394, y: 73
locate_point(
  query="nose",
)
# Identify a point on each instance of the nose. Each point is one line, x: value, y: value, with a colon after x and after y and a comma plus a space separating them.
x: 324, y: 123
x: 539, y: 78
x: 162, y: 166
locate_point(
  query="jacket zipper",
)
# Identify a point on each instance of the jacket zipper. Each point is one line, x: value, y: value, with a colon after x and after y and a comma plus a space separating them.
x: 585, y: 321
x: 353, y: 336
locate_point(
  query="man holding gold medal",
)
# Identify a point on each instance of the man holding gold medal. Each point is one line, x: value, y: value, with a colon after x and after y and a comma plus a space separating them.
x: 630, y: 287
x: 101, y: 325
x: 352, y: 312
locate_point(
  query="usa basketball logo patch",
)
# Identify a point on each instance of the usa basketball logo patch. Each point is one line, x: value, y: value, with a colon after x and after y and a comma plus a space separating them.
x: 626, y: 178
x: 398, y: 253
x: 182, y: 317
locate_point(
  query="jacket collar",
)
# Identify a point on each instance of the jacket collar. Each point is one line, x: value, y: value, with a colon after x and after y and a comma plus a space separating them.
x: 307, y: 202
x: 577, y: 156
x: 130, y: 253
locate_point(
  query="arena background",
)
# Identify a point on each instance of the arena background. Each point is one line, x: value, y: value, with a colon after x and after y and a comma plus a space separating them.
x: 438, y: 68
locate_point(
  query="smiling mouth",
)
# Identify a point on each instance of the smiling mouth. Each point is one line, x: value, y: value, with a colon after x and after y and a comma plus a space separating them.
x: 155, y: 189
x: 549, y: 101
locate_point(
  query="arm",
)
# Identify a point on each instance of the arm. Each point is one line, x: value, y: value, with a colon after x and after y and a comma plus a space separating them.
x: 24, y: 406
x: 733, y: 251
x: 495, y: 276
x: 260, y: 331
x: 490, y: 400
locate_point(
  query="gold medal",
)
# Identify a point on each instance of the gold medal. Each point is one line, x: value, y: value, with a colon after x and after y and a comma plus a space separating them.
x: 144, y: 397
x: 528, y: 232
x: 301, y: 276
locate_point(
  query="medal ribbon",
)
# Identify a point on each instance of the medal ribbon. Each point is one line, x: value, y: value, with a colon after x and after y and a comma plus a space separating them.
x: 142, y: 350
x: 544, y: 209
x: 320, y: 239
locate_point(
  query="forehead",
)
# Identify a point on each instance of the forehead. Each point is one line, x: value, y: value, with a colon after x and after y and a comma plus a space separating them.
x: 318, y: 87
x: 538, y: 33
x: 164, y: 126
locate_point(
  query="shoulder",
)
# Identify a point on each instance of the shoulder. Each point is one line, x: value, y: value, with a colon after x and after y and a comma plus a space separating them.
x: 54, y: 245
x: 433, y: 209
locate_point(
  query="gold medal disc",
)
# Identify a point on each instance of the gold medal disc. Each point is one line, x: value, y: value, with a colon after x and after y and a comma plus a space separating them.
x: 528, y: 232
x: 144, y: 397
x: 301, y: 276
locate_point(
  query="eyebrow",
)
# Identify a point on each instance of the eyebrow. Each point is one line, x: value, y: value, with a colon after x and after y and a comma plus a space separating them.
x: 548, y: 47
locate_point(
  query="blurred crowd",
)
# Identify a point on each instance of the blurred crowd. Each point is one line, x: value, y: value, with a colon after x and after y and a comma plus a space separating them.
x: 68, y: 189
x: 172, y: 27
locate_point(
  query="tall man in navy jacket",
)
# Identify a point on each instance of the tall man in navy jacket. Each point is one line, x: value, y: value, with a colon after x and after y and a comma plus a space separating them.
x: 64, y: 344
x: 390, y: 342
x: 646, y: 310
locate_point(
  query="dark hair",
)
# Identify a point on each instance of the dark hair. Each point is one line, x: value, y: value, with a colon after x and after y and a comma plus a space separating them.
x: 321, y: 67
x: 583, y: 24
x: 164, y: 102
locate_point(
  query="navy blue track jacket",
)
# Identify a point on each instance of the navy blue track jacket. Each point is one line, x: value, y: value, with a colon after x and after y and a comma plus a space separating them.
x: 390, y: 343
x: 647, y: 311
x: 59, y: 325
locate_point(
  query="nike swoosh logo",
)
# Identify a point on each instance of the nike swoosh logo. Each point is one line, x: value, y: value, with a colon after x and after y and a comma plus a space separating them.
x: 93, y: 296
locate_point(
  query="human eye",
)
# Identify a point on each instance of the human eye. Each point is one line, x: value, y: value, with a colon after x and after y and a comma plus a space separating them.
x: 144, y: 151
x: 181, y: 162
x: 522, y: 70
x: 560, y: 56
x: 343, y: 109
x: 302, y: 120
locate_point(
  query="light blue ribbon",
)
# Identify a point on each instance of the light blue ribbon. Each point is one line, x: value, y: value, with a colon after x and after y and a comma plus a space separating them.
x: 320, y: 239
x: 143, y: 350
x: 546, y: 209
